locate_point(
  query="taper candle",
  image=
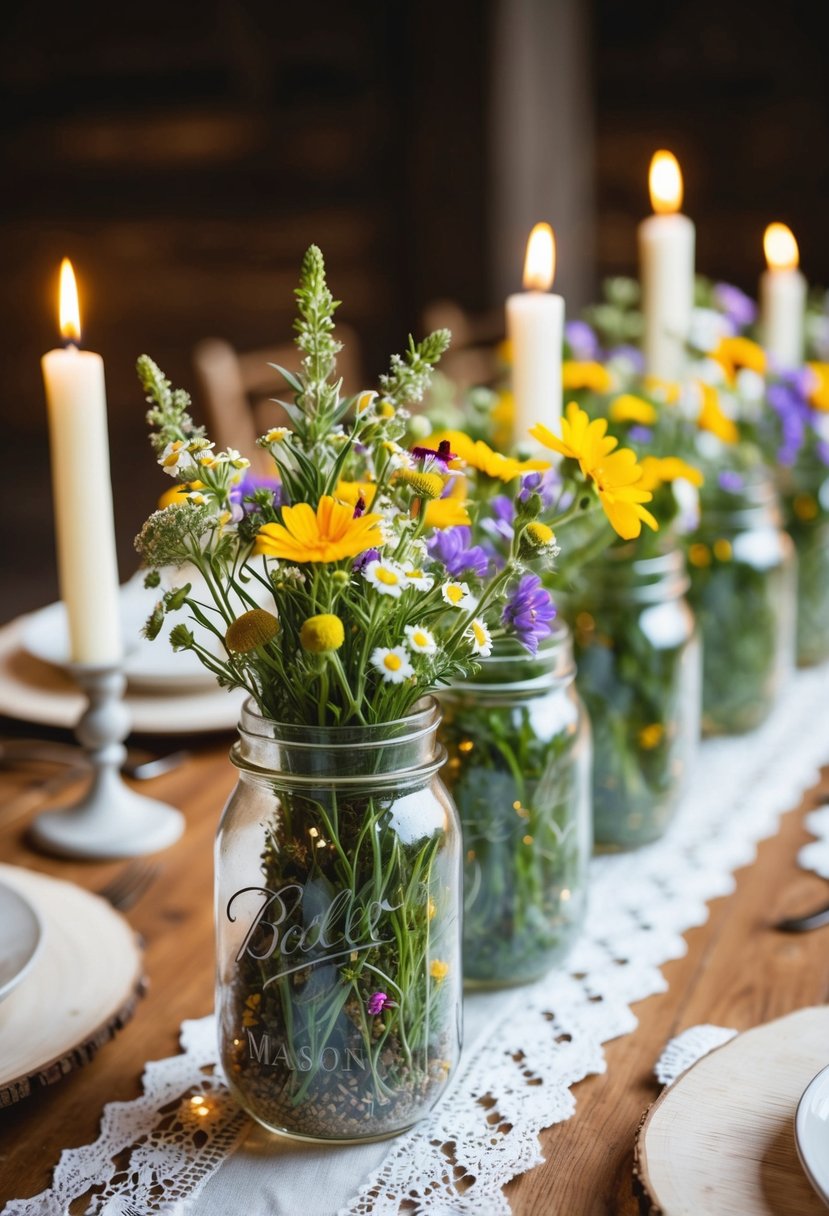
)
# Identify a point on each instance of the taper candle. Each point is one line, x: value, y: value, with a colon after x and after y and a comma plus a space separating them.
x: 782, y: 298
x: 82, y: 489
x: 535, y: 328
x: 666, y: 271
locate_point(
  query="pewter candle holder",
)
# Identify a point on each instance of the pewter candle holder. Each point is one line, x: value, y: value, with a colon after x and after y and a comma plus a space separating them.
x: 110, y: 820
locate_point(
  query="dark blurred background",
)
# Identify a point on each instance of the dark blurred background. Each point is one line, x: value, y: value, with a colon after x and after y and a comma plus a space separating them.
x: 184, y: 155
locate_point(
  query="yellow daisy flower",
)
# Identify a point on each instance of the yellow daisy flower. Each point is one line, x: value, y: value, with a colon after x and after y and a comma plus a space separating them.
x: 629, y: 408
x: 656, y: 470
x: 592, y: 376
x: 734, y: 353
x: 615, y: 474
x: 326, y: 534
x: 446, y: 513
x: 711, y: 418
x: 352, y: 491
x: 479, y: 455
x: 819, y: 392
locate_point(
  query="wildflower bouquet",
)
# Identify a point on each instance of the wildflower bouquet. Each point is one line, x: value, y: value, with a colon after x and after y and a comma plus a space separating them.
x: 339, y: 594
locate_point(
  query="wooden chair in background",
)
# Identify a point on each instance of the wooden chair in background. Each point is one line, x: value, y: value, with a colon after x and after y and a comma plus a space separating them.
x: 237, y: 390
x: 472, y: 358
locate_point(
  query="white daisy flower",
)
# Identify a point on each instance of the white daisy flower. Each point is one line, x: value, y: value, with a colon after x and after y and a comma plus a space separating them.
x: 387, y: 577
x: 417, y: 579
x: 420, y: 640
x: 457, y: 595
x: 277, y: 434
x: 393, y: 665
x: 175, y: 458
x: 480, y: 637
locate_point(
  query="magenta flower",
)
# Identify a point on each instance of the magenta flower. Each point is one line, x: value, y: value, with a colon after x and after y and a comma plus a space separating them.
x: 442, y: 453
x: 377, y: 1002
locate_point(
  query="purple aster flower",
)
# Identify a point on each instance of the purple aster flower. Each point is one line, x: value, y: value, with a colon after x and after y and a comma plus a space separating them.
x: 787, y: 397
x: 377, y: 1002
x: 631, y: 355
x: 547, y: 485
x: 582, y: 340
x: 498, y: 523
x: 730, y: 481
x: 452, y: 547
x: 529, y: 611
x: 823, y: 451
x: 640, y: 434
x: 250, y: 483
x: 370, y: 555
x: 739, y: 308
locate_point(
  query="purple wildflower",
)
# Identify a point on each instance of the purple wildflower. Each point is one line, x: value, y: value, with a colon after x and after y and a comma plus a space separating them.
x: 640, y: 434
x: 498, y: 523
x: 442, y: 453
x: 547, y: 485
x: 582, y: 340
x: 823, y: 451
x: 452, y: 547
x: 788, y: 398
x: 730, y: 481
x: 370, y: 555
x: 377, y: 1002
x: 250, y: 483
x: 632, y: 355
x: 529, y: 611
x: 739, y: 308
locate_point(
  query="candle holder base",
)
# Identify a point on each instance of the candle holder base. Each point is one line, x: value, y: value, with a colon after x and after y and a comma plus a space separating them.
x: 110, y: 820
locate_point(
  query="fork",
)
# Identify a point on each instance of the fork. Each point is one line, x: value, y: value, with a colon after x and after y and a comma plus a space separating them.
x: 128, y: 886
x: 802, y: 924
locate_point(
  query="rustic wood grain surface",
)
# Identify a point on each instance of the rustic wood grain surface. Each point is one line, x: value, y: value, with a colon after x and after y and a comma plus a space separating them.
x: 738, y: 972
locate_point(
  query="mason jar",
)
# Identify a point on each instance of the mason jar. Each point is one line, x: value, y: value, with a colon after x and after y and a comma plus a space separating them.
x: 743, y: 590
x: 638, y: 659
x: 338, y: 926
x: 518, y: 768
x: 805, y: 498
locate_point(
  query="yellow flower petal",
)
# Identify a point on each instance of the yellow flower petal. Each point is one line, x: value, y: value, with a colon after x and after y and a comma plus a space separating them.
x: 326, y: 535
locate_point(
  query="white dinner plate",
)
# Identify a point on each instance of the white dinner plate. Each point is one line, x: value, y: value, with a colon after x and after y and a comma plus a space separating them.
x: 811, y: 1133
x: 149, y: 666
x: 21, y: 934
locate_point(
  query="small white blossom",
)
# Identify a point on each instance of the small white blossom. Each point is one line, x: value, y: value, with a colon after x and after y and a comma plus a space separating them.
x: 457, y: 595
x: 387, y: 577
x: 399, y: 458
x: 175, y: 458
x: 421, y: 640
x: 417, y: 579
x: 277, y: 434
x: 706, y: 329
x: 393, y: 665
x: 480, y: 637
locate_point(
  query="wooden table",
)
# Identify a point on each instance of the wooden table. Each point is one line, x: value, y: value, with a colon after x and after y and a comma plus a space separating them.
x: 738, y: 972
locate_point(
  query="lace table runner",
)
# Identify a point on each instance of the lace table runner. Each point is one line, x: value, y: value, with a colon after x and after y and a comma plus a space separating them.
x: 524, y: 1051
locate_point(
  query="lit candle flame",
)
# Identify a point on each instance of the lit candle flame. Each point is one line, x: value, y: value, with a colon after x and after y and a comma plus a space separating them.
x: 70, y: 312
x: 780, y: 248
x: 540, y: 262
x: 665, y: 183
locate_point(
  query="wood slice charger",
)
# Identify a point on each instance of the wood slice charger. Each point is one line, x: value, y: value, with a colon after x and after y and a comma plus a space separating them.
x: 83, y: 986
x: 720, y: 1140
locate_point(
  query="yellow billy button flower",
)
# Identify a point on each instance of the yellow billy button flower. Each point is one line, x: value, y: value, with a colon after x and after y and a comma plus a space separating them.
x: 629, y: 408
x: 425, y: 485
x: 615, y: 474
x: 438, y: 970
x: 592, y: 376
x: 393, y: 665
x: 420, y: 640
x: 457, y: 595
x: 326, y: 534
x: 320, y: 634
x: 251, y: 630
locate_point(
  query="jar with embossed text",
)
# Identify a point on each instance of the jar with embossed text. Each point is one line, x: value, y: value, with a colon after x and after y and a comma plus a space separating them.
x: 338, y: 888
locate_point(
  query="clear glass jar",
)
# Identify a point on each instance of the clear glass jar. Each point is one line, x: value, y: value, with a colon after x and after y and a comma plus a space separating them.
x: 518, y: 743
x: 338, y: 926
x: 806, y: 509
x: 743, y: 590
x: 637, y: 653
